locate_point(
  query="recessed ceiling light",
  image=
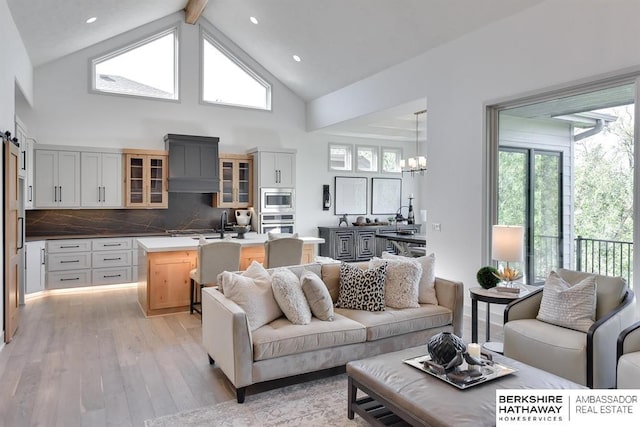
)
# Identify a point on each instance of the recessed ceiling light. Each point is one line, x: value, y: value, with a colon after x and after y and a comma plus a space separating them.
x: 254, y: 20
x: 91, y: 20
x: 296, y: 58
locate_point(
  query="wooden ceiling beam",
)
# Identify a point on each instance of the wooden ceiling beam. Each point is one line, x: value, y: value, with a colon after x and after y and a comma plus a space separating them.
x: 193, y: 10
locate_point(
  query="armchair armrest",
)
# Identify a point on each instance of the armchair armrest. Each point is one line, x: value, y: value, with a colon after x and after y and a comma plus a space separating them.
x: 226, y: 336
x: 524, y: 308
x: 629, y: 340
x: 601, y: 343
x: 450, y: 294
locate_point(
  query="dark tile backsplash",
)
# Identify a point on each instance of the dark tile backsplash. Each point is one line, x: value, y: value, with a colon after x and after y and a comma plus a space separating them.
x: 186, y: 211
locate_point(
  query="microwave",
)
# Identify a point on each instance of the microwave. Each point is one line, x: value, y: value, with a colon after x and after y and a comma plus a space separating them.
x: 277, y: 200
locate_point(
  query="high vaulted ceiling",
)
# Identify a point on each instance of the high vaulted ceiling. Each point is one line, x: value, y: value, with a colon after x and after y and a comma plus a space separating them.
x: 339, y: 41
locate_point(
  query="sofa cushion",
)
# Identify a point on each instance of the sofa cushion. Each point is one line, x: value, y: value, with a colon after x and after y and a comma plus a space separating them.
x: 610, y: 290
x: 281, y: 337
x: 554, y: 349
x: 317, y: 295
x: 569, y: 306
x: 289, y: 296
x: 426, y: 288
x: 362, y: 289
x: 393, y: 321
x: 401, y: 283
x: 253, y: 295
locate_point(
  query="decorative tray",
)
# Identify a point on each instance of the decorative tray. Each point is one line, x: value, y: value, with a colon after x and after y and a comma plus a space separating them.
x: 461, y: 378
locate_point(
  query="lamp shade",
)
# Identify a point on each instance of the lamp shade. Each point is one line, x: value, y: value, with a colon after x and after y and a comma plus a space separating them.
x: 507, y: 243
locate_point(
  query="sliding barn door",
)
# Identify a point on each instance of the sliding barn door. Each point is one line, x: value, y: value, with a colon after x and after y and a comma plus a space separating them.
x: 11, y: 240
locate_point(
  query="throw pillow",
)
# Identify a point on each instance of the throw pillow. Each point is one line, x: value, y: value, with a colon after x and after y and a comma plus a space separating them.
x: 362, y: 289
x: 570, y: 306
x: 288, y: 293
x: 401, y: 283
x: 317, y: 295
x: 254, y: 296
x: 426, y: 288
x: 255, y: 271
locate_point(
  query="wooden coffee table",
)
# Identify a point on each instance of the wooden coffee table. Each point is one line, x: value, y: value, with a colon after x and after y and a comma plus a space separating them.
x: 399, y: 394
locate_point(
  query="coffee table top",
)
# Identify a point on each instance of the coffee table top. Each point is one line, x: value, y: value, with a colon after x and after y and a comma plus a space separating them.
x: 438, y: 403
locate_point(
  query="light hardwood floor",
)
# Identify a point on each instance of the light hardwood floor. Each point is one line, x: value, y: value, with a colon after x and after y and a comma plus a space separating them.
x: 93, y: 359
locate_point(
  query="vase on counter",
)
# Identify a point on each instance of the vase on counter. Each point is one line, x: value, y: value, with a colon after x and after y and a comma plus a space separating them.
x: 243, y: 216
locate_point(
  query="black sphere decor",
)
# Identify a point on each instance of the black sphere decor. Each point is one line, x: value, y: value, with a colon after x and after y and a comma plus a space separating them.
x: 444, y: 346
x: 486, y: 277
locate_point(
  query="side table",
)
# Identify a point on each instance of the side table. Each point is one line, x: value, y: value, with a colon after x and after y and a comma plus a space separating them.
x: 490, y: 296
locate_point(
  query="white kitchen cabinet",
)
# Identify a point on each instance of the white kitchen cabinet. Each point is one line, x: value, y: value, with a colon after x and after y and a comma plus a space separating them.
x: 57, y: 179
x: 275, y: 168
x: 101, y: 180
x: 34, y: 266
x: 21, y: 135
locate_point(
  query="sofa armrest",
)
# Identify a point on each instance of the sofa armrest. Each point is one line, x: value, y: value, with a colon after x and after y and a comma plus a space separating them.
x: 450, y: 294
x: 524, y: 308
x: 629, y: 340
x: 226, y: 336
x: 601, y: 343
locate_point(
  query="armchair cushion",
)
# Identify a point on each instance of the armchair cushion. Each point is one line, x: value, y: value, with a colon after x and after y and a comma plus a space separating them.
x: 570, y: 306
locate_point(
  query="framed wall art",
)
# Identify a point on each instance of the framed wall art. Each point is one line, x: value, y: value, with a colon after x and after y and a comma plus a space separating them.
x: 386, y: 195
x: 350, y: 195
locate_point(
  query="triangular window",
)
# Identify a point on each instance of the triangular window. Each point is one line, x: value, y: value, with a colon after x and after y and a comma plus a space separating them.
x: 226, y: 80
x: 147, y: 68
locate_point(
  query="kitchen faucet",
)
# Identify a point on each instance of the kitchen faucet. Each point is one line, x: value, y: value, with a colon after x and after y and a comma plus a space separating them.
x: 223, y: 223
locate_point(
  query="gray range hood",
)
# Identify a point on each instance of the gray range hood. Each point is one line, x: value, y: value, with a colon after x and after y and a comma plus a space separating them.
x: 193, y: 163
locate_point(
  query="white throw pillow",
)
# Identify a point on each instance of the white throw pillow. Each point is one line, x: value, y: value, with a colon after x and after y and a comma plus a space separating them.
x: 402, y: 281
x: 426, y: 288
x: 253, y: 295
x: 290, y: 297
x: 570, y: 306
x: 273, y: 236
x: 255, y: 271
x: 317, y: 295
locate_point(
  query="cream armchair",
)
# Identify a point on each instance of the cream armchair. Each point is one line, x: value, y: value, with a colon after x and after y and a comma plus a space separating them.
x: 628, y: 373
x: 585, y: 358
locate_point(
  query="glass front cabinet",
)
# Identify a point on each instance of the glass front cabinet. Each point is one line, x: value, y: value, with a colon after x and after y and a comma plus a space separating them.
x: 235, y: 182
x: 146, y: 179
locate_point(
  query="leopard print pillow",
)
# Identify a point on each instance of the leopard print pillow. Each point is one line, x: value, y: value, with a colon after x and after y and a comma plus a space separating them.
x: 362, y: 289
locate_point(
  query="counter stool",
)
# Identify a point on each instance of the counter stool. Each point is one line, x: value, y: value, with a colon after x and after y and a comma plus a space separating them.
x: 282, y: 252
x: 213, y: 259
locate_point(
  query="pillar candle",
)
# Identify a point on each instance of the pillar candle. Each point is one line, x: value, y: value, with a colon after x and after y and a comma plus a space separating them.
x: 474, y: 350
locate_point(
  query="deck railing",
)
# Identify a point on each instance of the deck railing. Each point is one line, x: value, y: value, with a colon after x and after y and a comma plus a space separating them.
x: 606, y: 257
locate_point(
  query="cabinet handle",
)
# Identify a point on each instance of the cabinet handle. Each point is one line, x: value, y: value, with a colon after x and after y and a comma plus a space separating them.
x: 113, y: 259
x: 42, y: 256
x: 111, y: 275
x: 70, y: 261
x: 69, y: 246
x: 104, y: 194
x: 55, y: 193
x: 60, y: 193
x: 72, y: 278
x: 24, y: 160
x: 99, y: 195
x: 31, y: 193
x: 112, y: 244
x: 21, y: 224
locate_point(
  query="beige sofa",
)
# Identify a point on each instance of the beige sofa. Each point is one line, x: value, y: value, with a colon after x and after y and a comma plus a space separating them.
x: 281, y: 349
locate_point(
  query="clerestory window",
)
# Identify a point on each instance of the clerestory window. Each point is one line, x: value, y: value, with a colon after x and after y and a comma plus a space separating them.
x: 227, y: 80
x: 147, y: 68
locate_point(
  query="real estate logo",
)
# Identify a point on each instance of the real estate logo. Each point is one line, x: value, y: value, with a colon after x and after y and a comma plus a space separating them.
x: 567, y: 407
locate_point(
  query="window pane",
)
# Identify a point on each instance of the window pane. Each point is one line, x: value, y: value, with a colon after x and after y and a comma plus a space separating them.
x: 367, y: 160
x: 226, y: 82
x: 340, y: 157
x: 146, y: 69
x: 391, y: 160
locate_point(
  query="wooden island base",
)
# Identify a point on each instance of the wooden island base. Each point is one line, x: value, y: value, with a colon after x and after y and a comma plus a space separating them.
x: 163, y: 277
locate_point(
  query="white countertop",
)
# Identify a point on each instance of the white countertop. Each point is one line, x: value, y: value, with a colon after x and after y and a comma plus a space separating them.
x: 168, y: 244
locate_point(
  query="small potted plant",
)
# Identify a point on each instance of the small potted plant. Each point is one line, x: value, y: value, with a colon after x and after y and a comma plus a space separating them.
x: 488, y: 277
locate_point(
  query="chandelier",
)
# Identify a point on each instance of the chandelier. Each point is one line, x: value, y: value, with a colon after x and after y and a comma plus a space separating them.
x: 416, y: 164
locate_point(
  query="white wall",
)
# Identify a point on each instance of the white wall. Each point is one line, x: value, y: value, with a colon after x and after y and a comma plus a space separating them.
x: 15, y: 70
x: 553, y: 43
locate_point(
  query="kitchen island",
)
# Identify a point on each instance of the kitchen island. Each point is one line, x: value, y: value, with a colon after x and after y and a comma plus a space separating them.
x: 165, y: 263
